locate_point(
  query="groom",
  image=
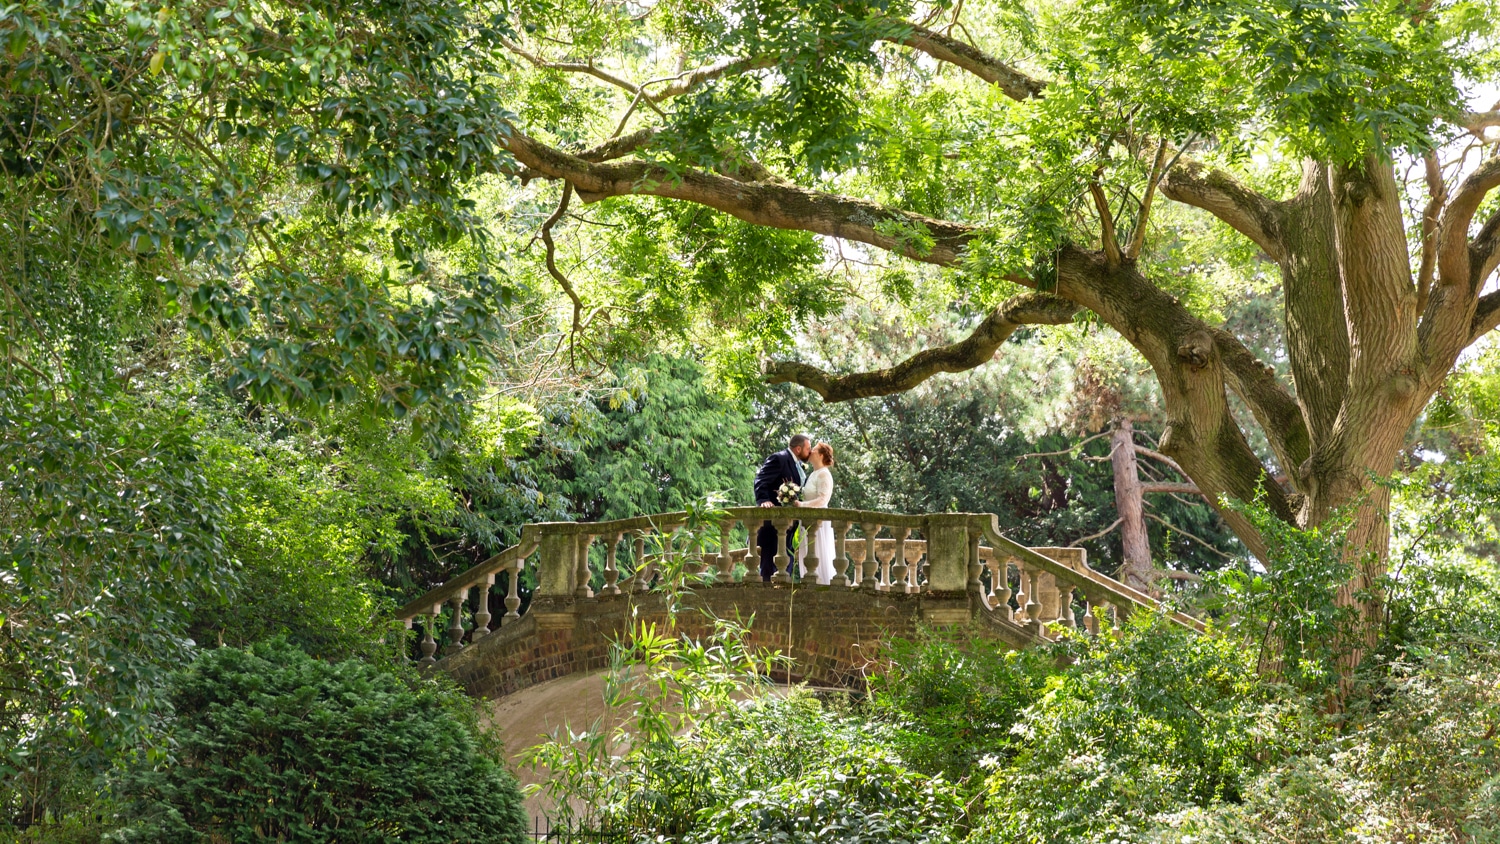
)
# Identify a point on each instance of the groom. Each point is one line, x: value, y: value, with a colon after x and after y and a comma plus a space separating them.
x: 779, y: 468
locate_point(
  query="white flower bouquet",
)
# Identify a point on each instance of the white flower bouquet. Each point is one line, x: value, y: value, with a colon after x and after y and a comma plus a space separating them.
x: 789, y: 494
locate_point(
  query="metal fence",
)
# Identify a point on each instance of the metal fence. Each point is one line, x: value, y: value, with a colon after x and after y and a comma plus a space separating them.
x: 544, y: 829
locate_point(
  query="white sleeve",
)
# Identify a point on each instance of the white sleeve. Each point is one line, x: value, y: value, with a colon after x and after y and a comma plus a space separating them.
x: 820, y: 490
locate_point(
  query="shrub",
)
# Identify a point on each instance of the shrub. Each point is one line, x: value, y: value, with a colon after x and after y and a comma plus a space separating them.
x: 691, y: 760
x: 1148, y: 719
x: 274, y: 745
x: 952, y: 704
x: 855, y: 797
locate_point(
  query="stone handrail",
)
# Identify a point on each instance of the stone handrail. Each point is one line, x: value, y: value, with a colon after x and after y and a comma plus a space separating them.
x: 946, y: 557
x: 1098, y: 589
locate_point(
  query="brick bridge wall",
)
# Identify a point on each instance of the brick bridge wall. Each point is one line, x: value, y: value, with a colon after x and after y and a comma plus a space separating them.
x: 837, y: 636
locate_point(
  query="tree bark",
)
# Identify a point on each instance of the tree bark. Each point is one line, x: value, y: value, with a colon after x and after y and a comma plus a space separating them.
x: 1135, y: 568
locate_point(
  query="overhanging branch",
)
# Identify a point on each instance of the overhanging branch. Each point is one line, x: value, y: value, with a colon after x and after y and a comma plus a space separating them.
x: 1486, y: 316
x: 1221, y: 195
x: 1015, y: 84
x: 775, y: 205
x: 978, y: 348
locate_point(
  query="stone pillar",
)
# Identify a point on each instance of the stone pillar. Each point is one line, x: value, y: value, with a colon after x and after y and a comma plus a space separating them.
x: 557, y: 565
x: 947, y: 553
x: 946, y: 600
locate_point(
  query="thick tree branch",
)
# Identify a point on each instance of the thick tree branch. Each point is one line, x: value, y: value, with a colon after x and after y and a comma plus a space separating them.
x: 1478, y: 121
x: 1221, y: 195
x: 974, y: 350
x: 1274, y: 408
x: 1184, y: 489
x: 1107, y: 236
x: 1454, y: 267
x: 619, y: 147
x: 1486, y: 316
x: 1437, y: 194
x: 1013, y: 83
x: 767, y: 204
x: 1449, y: 319
x: 1153, y: 180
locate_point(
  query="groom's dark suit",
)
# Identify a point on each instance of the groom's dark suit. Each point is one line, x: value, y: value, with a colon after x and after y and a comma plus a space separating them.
x: 777, y: 470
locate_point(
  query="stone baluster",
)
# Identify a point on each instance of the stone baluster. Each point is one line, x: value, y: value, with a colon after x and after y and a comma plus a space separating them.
x: 1047, y: 595
x: 513, y: 589
x: 883, y: 556
x: 642, y: 567
x: 1065, y: 605
x: 429, y: 644
x: 612, y: 566
x: 976, y: 567
x: 1000, y: 587
x: 916, y: 559
x: 726, y: 561
x: 482, y: 608
x: 783, y: 559
x: 897, y: 580
x: 840, y: 554
x: 869, y: 565
x: 1033, y: 606
x: 1090, y: 619
x: 583, y: 575
x: 456, y: 624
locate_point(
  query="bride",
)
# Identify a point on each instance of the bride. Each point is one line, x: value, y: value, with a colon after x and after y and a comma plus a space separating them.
x: 817, y: 492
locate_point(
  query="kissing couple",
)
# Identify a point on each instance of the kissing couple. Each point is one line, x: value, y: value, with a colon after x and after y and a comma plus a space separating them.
x: 816, y: 490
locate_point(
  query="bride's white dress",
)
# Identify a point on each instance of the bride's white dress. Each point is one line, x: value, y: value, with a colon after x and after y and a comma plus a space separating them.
x: 817, y: 492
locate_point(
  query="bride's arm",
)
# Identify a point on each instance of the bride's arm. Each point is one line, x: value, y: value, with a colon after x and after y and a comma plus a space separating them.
x: 824, y: 494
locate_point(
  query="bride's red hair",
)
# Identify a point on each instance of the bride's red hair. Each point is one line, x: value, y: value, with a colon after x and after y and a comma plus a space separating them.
x: 825, y: 451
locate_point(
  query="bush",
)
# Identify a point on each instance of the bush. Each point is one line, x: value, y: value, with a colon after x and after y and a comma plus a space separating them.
x: 856, y: 797
x: 274, y: 745
x: 692, y: 760
x: 951, y: 705
x: 1148, y: 719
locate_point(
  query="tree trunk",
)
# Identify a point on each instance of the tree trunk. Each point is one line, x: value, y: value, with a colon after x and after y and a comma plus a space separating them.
x: 1135, y: 570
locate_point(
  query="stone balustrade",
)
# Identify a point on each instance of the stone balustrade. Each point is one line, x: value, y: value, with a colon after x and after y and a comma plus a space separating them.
x: 958, y: 563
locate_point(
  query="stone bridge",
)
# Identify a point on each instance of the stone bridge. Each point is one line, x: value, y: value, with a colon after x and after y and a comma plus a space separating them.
x: 596, y: 581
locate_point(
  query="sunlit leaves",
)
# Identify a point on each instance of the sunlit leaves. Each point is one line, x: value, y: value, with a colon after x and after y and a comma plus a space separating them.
x: 195, y: 136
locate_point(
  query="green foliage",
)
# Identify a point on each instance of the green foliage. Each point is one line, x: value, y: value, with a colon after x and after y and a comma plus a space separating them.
x: 113, y: 528
x: 860, y: 795
x: 302, y: 240
x: 671, y: 442
x: 1147, y: 719
x: 951, y: 706
x: 688, y: 761
x: 271, y: 744
x: 1289, y: 613
x: 312, y: 509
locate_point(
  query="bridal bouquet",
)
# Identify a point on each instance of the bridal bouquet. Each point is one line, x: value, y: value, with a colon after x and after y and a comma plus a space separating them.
x: 788, y: 494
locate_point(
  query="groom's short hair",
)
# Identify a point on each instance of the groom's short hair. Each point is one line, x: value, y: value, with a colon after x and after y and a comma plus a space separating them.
x: 798, y: 439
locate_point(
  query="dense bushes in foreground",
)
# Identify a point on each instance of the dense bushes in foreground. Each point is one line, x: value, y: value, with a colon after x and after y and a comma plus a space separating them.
x: 273, y: 745
x: 1150, y: 734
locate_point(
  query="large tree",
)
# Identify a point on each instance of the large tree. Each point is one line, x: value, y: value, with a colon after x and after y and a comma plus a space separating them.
x: 296, y: 176
x: 1045, y: 153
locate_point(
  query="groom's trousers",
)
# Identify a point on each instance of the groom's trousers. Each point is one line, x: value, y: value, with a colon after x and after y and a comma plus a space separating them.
x: 766, y: 539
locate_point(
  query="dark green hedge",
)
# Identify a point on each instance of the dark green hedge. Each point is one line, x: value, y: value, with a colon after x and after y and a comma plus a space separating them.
x: 272, y: 745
